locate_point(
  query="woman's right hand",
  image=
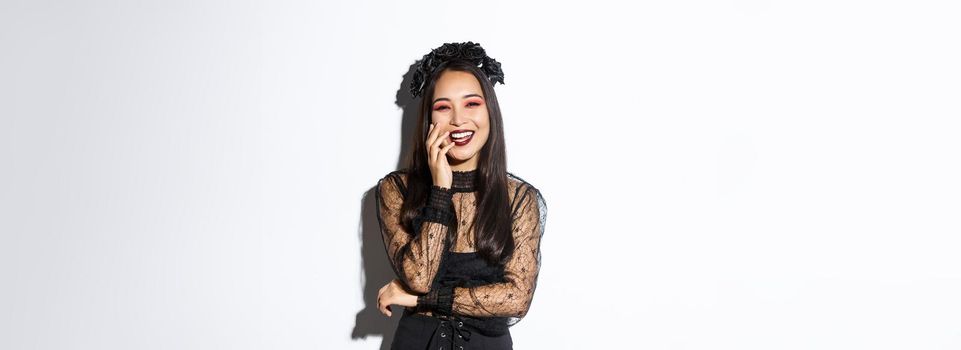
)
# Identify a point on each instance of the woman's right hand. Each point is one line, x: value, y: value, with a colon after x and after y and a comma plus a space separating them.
x: 437, y: 157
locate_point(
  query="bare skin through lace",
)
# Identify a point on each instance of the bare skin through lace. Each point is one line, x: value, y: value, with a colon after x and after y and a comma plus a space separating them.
x: 416, y: 257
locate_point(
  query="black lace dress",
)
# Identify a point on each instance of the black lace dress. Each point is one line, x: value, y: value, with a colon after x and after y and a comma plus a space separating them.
x: 464, y: 302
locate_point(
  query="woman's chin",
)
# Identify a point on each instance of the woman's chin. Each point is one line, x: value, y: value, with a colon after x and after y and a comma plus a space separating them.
x: 458, y: 156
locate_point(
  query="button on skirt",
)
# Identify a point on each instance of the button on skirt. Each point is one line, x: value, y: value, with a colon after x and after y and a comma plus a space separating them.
x: 421, y: 332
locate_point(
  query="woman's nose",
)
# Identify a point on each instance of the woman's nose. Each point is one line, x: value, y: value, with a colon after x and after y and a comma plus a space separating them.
x: 457, y: 117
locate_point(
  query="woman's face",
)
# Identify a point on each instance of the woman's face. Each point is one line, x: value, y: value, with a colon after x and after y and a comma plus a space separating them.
x: 459, y: 106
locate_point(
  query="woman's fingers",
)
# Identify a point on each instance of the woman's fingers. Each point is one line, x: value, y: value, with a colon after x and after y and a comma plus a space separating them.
x: 431, y: 135
x: 435, y: 148
x: 445, y: 149
x: 383, y: 306
x: 380, y: 305
x: 380, y: 300
x: 439, y: 142
x: 384, y: 299
x: 442, y: 138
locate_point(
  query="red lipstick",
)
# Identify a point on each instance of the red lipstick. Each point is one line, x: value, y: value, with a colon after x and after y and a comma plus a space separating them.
x: 464, y: 139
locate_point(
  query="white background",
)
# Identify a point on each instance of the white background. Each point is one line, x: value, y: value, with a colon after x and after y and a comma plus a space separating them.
x: 719, y: 174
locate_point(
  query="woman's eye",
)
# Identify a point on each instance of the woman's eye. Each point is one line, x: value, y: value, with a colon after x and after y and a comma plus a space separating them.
x: 469, y: 104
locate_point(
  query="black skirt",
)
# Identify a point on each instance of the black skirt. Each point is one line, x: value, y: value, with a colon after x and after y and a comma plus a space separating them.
x: 421, y: 332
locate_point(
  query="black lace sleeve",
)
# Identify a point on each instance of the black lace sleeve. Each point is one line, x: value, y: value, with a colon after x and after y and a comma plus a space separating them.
x: 511, y: 299
x: 414, y: 256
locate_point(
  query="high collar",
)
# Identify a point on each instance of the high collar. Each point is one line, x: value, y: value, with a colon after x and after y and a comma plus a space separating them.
x: 464, y: 181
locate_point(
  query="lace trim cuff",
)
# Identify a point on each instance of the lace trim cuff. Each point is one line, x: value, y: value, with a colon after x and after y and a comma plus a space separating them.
x: 440, y: 197
x: 439, y: 300
x: 440, y: 206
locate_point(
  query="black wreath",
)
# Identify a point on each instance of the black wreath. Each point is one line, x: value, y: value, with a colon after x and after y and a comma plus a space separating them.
x: 469, y: 51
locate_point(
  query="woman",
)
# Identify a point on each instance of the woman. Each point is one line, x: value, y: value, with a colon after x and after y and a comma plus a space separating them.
x: 462, y: 234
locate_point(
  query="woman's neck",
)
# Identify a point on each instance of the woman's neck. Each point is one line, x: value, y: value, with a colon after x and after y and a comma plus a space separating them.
x: 464, y: 181
x: 467, y: 165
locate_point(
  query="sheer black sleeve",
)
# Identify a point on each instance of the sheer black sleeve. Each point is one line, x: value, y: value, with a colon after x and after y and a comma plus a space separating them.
x: 414, y: 256
x: 511, y: 299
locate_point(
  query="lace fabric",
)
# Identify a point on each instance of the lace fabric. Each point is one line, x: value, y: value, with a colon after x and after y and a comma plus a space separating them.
x: 443, y: 267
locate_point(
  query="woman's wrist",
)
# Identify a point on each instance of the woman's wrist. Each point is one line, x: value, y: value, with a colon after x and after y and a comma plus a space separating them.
x: 409, y: 300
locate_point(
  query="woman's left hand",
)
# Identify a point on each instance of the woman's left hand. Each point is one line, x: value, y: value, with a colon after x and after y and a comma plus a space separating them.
x: 394, y: 294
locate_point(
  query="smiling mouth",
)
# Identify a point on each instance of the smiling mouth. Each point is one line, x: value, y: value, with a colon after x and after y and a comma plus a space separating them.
x: 461, y: 138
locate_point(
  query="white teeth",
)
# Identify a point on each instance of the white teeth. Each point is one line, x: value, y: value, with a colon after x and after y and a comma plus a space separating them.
x: 461, y: 135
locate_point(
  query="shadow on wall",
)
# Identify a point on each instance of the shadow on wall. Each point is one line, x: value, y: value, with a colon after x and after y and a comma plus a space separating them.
x: 377, y: 270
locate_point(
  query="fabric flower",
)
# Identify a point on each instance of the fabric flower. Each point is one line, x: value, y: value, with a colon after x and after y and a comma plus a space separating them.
x: 467, y: 51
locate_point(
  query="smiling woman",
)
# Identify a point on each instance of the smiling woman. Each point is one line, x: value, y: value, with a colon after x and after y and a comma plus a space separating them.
x: 461, y: 112
x: 461, y: 232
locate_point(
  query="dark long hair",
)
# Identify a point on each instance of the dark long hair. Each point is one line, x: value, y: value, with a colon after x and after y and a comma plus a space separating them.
x: 493, y: 222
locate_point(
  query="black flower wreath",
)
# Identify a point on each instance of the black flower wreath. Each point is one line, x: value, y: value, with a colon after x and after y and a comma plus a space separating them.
x: 469, y: 51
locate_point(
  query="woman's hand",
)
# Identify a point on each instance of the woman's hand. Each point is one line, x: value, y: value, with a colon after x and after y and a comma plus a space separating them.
x: 437, y: 157
x: 394, y: 294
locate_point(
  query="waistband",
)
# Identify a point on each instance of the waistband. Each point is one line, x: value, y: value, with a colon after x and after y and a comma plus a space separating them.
x: 449, y: 329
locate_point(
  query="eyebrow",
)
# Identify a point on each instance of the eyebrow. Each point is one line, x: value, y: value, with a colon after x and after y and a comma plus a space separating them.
x: 465, y: 96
